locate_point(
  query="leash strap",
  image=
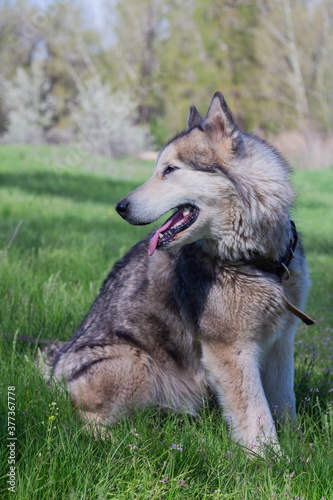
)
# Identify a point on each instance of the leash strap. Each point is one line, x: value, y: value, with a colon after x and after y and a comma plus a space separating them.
x: 290, y: 255
x: 281, y: 269
x: 300, y: 314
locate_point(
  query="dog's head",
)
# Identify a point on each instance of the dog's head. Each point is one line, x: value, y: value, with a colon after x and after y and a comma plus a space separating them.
x: 225, y: 186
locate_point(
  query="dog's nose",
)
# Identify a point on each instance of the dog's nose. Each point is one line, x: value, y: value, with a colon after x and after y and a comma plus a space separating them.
x: 121, y: 207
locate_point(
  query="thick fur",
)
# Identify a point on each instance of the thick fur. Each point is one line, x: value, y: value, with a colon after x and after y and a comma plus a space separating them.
x: 197, y: 311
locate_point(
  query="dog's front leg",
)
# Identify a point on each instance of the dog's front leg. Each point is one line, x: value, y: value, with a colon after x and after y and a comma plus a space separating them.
x: 233, y: 371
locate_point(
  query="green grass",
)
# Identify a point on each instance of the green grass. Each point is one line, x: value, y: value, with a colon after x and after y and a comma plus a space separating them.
x: 68, y: 240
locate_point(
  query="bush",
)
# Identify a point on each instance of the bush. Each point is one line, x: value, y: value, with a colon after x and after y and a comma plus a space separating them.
x: 103, y: 123
x: 30, y: 106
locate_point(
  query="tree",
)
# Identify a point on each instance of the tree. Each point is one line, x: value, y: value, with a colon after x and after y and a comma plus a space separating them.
x: 138, y: 27
x: 293, y: 47
x: 31, y: 108
x: 52, y: 35
x: 210, y: 47
x: 104, y: 120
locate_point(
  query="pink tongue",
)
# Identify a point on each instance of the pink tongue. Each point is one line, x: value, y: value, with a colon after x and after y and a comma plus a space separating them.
x: 172, y: 220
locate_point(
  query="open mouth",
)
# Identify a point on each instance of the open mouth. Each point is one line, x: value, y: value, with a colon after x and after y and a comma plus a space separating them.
x: 182, y: 219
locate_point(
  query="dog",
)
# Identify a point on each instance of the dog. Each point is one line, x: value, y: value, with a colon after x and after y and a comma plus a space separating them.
x: 202, y: 301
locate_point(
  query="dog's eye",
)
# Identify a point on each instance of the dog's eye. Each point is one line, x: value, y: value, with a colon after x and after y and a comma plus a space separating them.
x: 168, y: 170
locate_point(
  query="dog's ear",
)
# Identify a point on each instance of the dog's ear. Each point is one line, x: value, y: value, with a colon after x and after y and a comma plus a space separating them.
x: 220, y: 123
x: 194, y: 118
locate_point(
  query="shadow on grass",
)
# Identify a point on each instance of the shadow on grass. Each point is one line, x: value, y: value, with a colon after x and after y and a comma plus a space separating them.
x: 77, y: 187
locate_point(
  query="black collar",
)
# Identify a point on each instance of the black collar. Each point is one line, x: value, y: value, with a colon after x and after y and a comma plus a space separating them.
x: 281, y: 266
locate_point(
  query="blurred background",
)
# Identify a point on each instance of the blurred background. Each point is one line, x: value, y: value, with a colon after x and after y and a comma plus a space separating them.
x: 117, y: 77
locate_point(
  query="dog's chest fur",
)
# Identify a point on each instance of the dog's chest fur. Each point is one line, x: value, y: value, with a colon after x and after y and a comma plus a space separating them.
x: 218, y: 301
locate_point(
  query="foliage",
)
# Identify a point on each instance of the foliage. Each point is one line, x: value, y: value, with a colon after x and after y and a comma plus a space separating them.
x: 252, y: 50
x: 170, y: 54
x: 102, y: 119
x: 49, y: 276
x: 30, y: 106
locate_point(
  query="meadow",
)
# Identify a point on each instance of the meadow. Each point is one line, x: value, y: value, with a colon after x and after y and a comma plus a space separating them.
x: 51, y: 267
